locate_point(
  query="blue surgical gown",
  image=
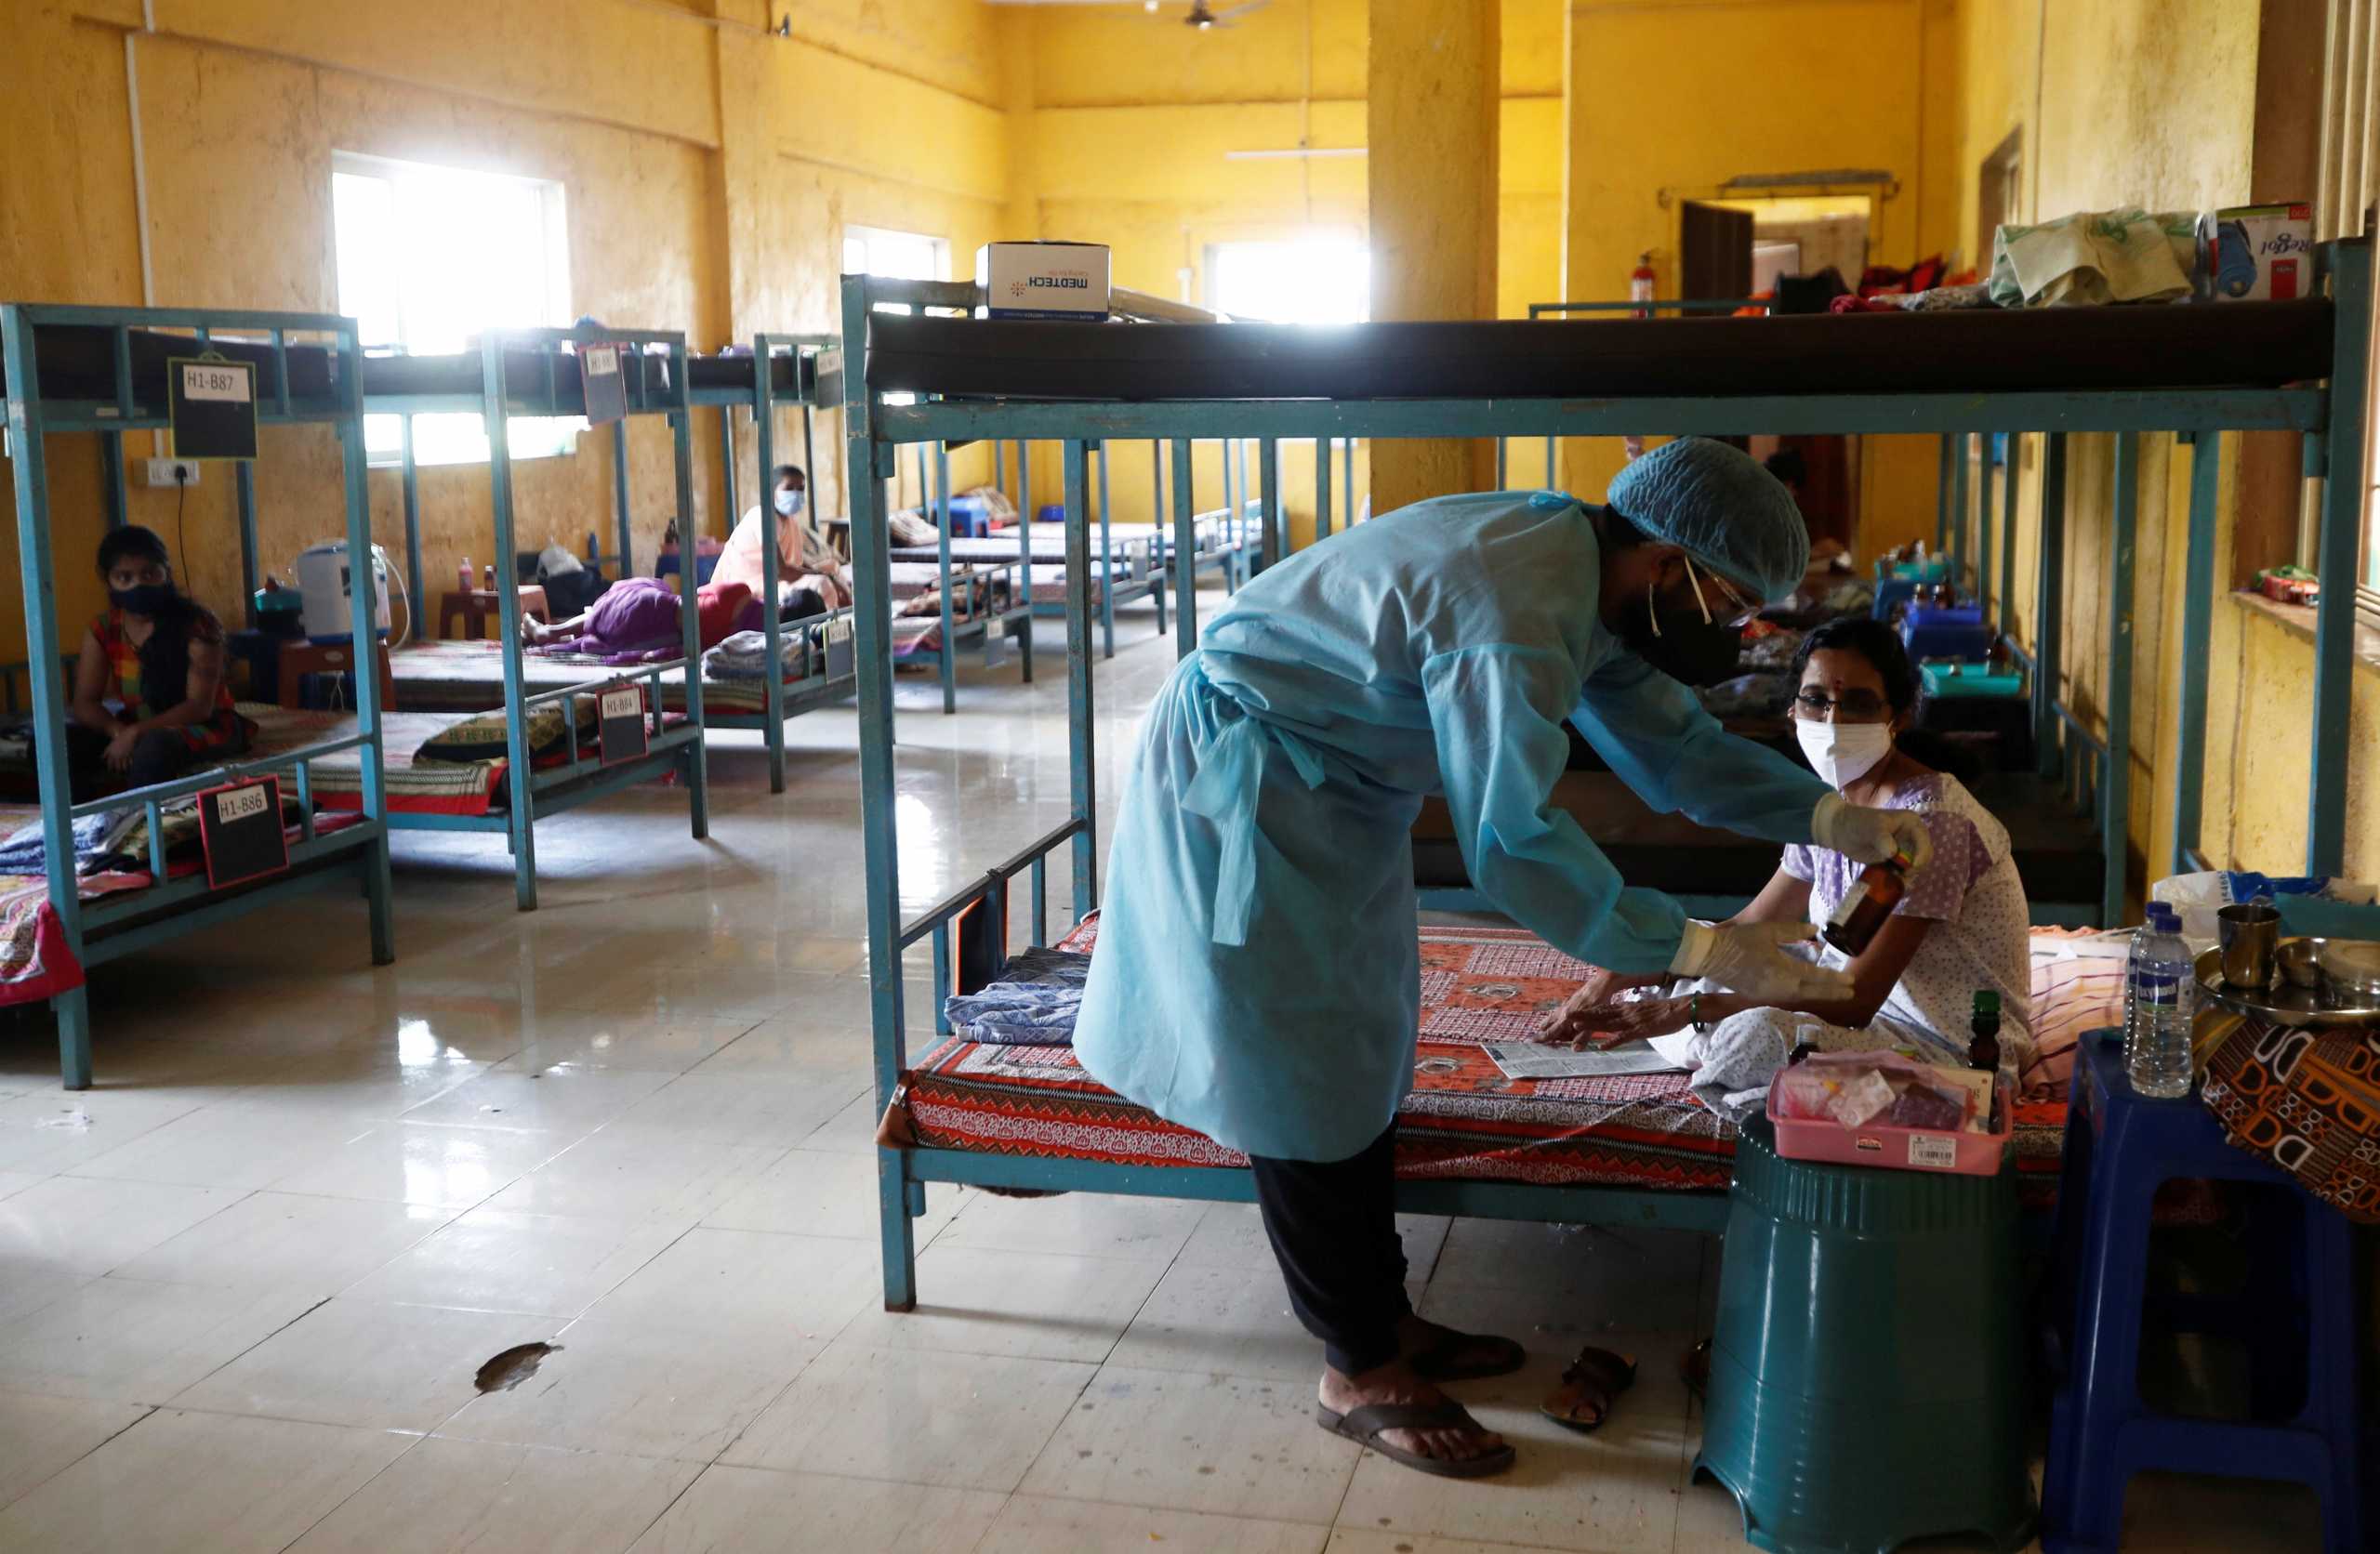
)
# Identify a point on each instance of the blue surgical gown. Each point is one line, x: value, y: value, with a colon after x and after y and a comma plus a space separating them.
x: 1257, y: 975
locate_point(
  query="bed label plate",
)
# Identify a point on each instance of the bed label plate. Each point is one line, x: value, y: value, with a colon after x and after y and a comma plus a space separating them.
x: 239, y: 829
x: 621, y: 729
x: 211, y: 407
x: 606, y: 391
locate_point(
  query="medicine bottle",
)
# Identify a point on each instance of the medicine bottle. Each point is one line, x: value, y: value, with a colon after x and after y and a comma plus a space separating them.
x: 1864, y: 907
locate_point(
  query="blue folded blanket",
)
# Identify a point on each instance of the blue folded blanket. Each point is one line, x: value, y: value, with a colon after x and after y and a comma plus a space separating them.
x: 1034, y: 1003
x: 97, y: 837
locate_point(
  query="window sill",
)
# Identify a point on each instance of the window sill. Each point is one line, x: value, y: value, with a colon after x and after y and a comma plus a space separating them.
x: 2298, y: 621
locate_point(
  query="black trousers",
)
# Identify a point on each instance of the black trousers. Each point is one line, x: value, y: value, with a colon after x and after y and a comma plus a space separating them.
x: 158, y: 756
x: 1334, y: 1229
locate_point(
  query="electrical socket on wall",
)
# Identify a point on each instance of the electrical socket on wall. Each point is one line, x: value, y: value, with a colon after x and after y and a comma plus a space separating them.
x: 172, y: 472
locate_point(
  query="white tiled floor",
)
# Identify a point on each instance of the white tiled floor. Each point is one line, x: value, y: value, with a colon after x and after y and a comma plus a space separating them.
x: 247, y: 1284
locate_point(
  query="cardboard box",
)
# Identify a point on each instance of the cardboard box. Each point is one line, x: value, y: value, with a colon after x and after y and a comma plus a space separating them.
x: 1044, y: 280
x: 2259, y: 253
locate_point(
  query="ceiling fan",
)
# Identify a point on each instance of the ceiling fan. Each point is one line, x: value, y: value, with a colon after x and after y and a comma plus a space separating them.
x: 1204, y: 18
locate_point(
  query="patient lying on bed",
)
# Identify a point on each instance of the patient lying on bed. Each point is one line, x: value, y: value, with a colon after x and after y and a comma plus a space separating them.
x: 1960, y: 928
x: 640, y: 618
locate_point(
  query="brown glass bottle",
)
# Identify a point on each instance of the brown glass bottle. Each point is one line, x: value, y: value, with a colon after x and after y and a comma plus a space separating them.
x: 1983, y: 1052
x: 1865, y: 906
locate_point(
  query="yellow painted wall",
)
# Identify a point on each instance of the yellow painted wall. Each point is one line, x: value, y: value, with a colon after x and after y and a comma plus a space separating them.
x: 709, y: 170
x: 1679, y: 96
x: 2093, y: 87
x: 1121, y: 137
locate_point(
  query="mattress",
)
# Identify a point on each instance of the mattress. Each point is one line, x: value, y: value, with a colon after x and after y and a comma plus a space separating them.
x: 735, y: 373
x: 77, y: 362
x: 468, y: 676
x: 414, y: 786
x: 788, y: 381
x: 34, y: 963
x: 2058, y: 852
x: 433, y: 786
x: 1049, y: 546
x: 548, y: 379
x: 1464, y: 1120
x: 2260, y: 344
x: 912, y: 578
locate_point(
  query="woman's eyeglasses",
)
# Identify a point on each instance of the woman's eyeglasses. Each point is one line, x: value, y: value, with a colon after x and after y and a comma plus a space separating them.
x: 1852, y: 707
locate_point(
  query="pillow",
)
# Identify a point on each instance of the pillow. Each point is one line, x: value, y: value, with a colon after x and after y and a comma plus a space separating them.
x: 482, y: 738
x: 2077, y: 986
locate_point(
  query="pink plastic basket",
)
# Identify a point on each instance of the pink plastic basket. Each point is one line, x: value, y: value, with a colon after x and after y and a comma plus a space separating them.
x: 1902, y: 1149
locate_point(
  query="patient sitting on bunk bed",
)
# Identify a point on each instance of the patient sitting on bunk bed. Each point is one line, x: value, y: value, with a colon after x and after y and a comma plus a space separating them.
x: 805, y: 561
x: 638, y: 618
x: 151, y: 702
x: 1961, y: 926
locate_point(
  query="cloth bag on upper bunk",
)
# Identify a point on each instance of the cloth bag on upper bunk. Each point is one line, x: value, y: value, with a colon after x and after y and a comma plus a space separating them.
x: 2095, y: 256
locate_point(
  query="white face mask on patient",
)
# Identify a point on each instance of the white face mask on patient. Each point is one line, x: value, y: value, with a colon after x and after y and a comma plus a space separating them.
x: 1842, y: 753
x: 788, y: 503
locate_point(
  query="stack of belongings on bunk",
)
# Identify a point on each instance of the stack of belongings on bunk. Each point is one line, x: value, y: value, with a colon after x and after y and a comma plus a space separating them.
x: 744, y: 655
x: 106, y: 842
x: 2088, y: 258
x: 1033, y: 1002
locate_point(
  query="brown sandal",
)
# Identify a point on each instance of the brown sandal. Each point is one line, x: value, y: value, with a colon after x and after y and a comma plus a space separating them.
x: 1366, y: 1424
x: 1593, y: 1382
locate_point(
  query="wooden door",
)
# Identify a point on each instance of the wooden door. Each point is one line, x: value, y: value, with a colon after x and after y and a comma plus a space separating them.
x: 1714, y: 252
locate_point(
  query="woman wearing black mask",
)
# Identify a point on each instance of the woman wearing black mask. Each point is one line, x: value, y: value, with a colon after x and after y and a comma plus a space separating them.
x: 151, y: 702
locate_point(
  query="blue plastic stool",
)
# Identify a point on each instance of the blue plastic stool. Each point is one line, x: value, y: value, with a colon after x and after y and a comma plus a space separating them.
x: 2120, y: 1147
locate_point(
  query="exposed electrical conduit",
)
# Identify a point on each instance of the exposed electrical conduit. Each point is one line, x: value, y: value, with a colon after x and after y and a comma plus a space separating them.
x: 141, y: 173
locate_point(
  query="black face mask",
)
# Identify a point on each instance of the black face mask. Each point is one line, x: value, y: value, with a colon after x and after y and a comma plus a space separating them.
x: 150, y: 599
x: 1687, y: 648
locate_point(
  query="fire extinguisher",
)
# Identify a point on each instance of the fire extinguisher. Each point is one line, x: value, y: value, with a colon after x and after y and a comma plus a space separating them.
x: 1640, y: 289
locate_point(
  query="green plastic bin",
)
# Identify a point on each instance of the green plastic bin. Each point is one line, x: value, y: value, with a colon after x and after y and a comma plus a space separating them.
x: 1868, y: 1369
x: 1948, y: 677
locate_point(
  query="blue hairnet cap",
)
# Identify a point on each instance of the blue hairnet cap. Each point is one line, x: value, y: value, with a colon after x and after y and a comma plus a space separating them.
x: 1719, y: 506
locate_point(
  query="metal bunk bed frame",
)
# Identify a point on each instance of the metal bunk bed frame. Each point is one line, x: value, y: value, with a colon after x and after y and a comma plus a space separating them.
x: 110, y: 927
x: 2333, y: 419
x: 583, y: 776
x: 817, y: 369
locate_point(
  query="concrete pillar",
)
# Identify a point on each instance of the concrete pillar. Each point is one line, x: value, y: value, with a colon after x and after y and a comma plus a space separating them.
x: 1433, y: 112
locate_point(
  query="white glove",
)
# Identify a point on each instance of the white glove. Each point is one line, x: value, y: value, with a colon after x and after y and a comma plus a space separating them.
x: 1871, y: 835
x: 1750, y: 958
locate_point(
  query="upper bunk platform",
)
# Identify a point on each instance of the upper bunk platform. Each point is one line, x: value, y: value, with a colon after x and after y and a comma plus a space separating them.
x: 547, y: 381
x: 1989, y: 351
x: 111, y: 377
x: 2171, y: 366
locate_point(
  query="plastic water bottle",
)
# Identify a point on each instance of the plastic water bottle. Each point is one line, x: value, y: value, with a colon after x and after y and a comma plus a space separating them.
x: 2160, y: 989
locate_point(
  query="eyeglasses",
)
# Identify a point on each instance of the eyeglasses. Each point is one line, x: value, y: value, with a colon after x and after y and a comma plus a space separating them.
x: 1728, y: 594
x: 1852, y: 707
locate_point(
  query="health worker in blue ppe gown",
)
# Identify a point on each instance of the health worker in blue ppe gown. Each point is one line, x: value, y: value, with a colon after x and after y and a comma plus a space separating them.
x: 1257, y: 976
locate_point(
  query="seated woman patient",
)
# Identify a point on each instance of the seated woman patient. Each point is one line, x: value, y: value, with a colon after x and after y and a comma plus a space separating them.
x: 1960, y: 927
x: 151, y: 702
x: 805, y: 561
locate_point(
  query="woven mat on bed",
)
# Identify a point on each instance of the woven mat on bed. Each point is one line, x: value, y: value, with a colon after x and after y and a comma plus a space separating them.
x: 426, y: 787
x: 1465, y: 1119
x: 468, y: 676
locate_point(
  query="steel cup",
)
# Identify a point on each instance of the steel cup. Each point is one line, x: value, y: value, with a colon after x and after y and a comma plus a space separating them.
x: 2250, y: 935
